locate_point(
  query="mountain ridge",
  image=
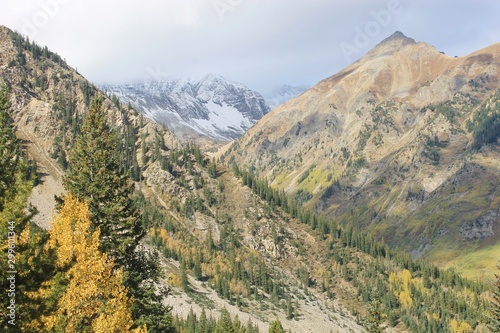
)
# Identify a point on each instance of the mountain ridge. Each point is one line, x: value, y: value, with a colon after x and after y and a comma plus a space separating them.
x: 212, y: 108
x: 372, y: 138
x: 225, y: 239
x: 47, y: 109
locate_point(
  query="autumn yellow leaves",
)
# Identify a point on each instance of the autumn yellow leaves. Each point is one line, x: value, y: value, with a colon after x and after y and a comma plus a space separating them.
x: 402, y: 283
x: 93, y: 295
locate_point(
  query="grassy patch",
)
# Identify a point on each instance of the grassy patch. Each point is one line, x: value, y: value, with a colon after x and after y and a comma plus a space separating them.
x: 315, y: 177
x: 476, y: 263
x: 280, y: 178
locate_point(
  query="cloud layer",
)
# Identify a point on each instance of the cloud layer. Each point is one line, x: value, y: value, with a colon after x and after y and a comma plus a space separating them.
x: 260, y: 43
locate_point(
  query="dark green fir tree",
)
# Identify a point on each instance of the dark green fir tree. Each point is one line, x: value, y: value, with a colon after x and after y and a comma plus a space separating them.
x: 375, y: 315
x: 494, y: 312
x: 95, y: 177
x: 10, y: 149
x: 276, y: 327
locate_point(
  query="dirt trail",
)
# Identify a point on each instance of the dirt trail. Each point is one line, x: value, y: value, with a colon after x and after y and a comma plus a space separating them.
x: 50, y: 185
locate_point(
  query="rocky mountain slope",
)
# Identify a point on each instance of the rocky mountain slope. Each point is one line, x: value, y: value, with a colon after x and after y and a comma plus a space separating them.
x: 227, y: 240
x: 213, y: 107
x: 388, y: 143
x: 49, y: 100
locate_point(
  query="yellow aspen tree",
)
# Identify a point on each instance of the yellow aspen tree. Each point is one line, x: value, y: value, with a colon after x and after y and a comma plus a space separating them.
x: 405, y: 299
x: 95, y: 299
x: 458, y: 326
x: 400, y: 284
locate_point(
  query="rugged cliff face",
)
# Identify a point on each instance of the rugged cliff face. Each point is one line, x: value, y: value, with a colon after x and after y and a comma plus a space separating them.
x: 384, y: 140
x: 212, y: 108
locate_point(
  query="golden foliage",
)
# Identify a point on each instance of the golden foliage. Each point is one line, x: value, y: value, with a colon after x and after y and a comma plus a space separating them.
x: 95, y: 299
x: 433, y: 316
x: 174, y: 280
x: 458, y: 326
x: 215, y: 264
x: 400, y: 284
x: 405, y: 299
x: 238, y: 287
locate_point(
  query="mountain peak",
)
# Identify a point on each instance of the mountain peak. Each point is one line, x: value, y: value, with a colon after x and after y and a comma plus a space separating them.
x: 213, y: 107
x: 397, y: 39
x: 391, y: 44
x: 212, y: 80
x: 212, y: 76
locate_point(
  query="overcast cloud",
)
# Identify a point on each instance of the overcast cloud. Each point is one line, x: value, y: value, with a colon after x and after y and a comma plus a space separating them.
x: 261, y: 43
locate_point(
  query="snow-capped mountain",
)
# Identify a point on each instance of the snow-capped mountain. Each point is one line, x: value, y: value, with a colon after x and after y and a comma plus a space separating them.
x: 213, y: 107
x: 283, y: 94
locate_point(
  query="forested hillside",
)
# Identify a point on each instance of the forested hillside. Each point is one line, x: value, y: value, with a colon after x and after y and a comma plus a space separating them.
x: 152, y: 235
x: 402, y: 143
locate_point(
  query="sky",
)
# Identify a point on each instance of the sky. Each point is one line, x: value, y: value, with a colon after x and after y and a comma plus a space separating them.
x: 260, y: 43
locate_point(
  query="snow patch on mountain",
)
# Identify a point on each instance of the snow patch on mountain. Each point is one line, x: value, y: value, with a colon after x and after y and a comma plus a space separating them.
x: 213, y: 107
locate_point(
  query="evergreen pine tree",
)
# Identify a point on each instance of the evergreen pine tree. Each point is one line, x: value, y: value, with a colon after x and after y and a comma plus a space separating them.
x: 32, y: 267
x: 276, y: 327
x: 95, y: 177
x: 494, y: 313
x: 197, y: 266
x: 212, y: 169
x: 191, y: 321
x: 225, y: 324
x: 251, y: 328
x: 237, y: 325
x: 184, y: 277
x: 10, y: 149
x: 15, y: 230
x: 203, y: 326
x: 375, y: 315
x: 289, y: 307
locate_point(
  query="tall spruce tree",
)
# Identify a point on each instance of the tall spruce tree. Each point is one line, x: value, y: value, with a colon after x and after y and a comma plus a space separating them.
x: 31, y: 264
x: 95, y: 177
x: 10, y: 149
x: 375, y: 315
x: 494, y: 312
x: 276, y: 327
x: 225, y: 324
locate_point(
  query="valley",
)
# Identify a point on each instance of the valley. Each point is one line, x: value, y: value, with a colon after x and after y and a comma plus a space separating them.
x: 385, y: 142
x: 318, y: 213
